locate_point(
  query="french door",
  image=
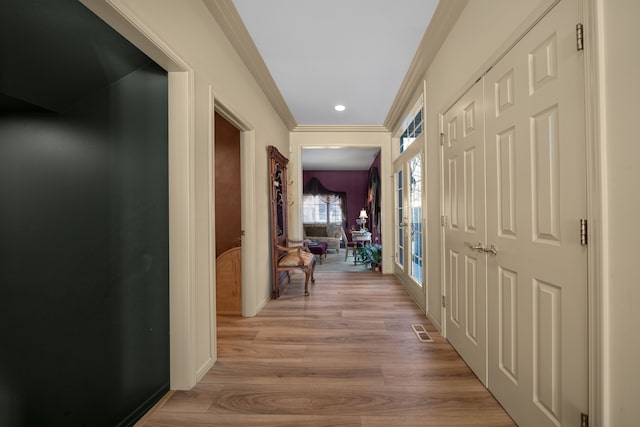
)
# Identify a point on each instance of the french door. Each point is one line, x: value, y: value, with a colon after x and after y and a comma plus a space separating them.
x: 465, y: 229
x: 523, y: 274
x: 409, y: 220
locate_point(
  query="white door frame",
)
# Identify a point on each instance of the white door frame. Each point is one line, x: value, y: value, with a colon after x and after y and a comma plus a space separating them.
x: 248, y: 201
x: 342, y: 136
x: 596, y: 257
x: 182, y: 250
x: 596, y: 212
x: 184, y: 373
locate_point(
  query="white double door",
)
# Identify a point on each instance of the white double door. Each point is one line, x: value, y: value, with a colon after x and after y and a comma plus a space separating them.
x: 514, y: 174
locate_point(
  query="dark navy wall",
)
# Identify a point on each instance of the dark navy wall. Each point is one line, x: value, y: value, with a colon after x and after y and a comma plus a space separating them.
x: 84, y: 336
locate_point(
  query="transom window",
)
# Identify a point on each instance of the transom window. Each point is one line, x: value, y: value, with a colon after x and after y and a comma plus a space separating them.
x: 412, y: 131
x: 412, y: 126
x: 321, y: 209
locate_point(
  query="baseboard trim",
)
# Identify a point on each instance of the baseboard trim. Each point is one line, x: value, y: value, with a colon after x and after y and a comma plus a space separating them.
x: 262, y: 304
x: 206, y: 366
x: 144, y: 411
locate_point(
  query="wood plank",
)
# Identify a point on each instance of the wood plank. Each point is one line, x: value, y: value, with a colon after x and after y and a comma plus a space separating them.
x: 344, y: 356
x: 249, y: 420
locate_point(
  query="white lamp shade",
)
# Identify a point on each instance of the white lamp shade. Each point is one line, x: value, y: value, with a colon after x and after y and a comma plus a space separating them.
x: 363, y: 214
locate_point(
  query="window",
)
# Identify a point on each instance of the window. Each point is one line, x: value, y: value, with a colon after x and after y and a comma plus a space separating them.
x: 413, y: 130
x: 413, y: 125
x: 321, y: 209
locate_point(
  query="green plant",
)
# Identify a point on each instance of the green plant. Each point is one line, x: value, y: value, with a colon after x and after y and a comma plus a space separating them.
x: 371, y: 255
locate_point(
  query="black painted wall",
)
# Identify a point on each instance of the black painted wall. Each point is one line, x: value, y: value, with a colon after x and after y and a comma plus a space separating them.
x: 84, y: 257
x: 84, y: 266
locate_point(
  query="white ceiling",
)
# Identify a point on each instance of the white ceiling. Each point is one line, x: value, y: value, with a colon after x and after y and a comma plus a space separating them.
x: 338, y: 158
x: 350, y: 52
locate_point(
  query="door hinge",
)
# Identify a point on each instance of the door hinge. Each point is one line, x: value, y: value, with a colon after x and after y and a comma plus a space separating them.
x: 579, y: 37
x: 443, y: 220
x: 584, y: 232
x: 441, y: 138
x: 444, y: 301
x: 584, y: 420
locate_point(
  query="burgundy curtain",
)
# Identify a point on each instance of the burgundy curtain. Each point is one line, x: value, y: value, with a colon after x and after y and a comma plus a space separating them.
x: 373, y: 197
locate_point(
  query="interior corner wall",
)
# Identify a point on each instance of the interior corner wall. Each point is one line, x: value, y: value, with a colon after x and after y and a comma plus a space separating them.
x: 619, y: 68
x: 84, y: 263
x: 483, y: 26
x: 188, y: 30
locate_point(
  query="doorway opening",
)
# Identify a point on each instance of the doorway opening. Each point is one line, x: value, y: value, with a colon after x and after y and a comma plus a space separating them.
x: 341, y: 205
x: 228, y: 216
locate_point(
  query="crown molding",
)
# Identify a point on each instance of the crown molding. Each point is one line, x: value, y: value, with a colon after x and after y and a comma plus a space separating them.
x: 340, y: 128
x: 228, y: 18
x: 444, y: 17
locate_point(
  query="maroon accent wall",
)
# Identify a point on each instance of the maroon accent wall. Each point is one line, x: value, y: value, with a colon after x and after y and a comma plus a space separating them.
x: 354, y: 183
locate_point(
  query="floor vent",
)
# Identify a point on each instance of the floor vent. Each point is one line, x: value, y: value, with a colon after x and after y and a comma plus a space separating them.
x: 422, y: 334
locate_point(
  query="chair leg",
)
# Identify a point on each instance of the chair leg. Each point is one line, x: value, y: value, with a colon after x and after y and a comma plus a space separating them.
x: 356, y: 253
x: 306, y: 283
x: 346, y: 252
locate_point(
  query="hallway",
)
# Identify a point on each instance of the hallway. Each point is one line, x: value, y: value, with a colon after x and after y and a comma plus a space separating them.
x: 344, y: 356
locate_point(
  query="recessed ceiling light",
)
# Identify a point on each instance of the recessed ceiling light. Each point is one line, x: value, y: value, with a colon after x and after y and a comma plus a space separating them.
x: 340, y: 107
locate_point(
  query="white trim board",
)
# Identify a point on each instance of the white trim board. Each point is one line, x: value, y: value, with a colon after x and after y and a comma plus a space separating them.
x: 183, y: 374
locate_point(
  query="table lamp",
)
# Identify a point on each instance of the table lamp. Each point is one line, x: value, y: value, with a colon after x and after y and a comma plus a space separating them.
x: 362, y: 220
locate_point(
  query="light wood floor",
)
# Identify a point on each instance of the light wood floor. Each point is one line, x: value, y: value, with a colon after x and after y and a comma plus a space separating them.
x: 344, y: 356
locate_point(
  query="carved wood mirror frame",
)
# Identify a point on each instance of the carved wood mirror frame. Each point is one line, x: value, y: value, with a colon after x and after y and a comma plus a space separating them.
x: 279, y: 207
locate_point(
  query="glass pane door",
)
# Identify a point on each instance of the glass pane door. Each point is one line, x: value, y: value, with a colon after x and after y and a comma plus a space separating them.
x: 415, y: 224
x: 409, y: 189
x: 399, y: 219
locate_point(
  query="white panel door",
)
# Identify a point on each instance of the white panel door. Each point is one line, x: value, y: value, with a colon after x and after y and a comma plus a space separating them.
x: 464, y: 203
x: 536, y: 195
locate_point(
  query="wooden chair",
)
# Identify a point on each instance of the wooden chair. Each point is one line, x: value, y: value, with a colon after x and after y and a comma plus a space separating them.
x: 348, y: 245
x: 295, y: 255
x: 287, y: 254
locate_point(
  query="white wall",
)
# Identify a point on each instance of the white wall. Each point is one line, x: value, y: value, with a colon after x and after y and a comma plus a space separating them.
x: 187, y: 31
x: 620, y: 62
x: 481, y: 29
